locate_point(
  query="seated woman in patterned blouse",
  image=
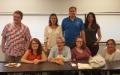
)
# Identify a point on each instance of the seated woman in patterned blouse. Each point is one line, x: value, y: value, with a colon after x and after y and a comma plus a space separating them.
x: 80, y: 51
x: 35, y: 53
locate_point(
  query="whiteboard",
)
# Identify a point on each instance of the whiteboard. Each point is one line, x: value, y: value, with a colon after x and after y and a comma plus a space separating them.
x: 110, y: 25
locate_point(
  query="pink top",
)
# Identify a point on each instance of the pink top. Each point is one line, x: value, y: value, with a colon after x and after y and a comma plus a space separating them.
x: 81, y: 56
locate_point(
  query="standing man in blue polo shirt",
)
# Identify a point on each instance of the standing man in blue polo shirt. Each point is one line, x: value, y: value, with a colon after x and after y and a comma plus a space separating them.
x: 72, y: 27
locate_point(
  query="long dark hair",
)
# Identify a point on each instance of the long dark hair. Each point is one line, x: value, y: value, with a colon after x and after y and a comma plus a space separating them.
x: 40, y: 48
x: 94, y: 26
x: 83, y: 44
x: 56, y: 19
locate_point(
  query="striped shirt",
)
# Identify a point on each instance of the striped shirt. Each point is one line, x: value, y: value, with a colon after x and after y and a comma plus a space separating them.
x: 16, y: 40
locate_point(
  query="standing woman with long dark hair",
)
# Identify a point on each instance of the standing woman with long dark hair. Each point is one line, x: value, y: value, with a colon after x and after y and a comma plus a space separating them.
x: 51, y: 32
x: 93, y: 33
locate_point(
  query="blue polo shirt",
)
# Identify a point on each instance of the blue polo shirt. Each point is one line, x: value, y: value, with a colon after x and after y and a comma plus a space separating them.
x: 71, y: 29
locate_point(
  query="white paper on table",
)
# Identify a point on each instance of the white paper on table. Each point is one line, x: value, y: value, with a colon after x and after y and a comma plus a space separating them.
x: 83, y: 66
x: 73, y: 64
x: 13, y: 64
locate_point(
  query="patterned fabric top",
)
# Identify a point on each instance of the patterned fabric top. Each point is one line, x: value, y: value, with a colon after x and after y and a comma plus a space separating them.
x: 16, y: 40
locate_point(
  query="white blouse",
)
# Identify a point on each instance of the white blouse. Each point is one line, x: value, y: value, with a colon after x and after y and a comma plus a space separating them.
x: 51, y: 34
x: 110, y: 57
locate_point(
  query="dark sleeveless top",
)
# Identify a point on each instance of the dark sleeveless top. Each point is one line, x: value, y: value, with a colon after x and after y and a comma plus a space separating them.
x: 90, y: 35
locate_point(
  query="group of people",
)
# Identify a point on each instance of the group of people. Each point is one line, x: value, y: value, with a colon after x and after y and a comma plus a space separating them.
x: 72, y: 40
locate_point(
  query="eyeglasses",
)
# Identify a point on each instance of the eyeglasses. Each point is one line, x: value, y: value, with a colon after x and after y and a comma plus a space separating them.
x: 34, y: 43
x: 109, y: 44
x: 60, y: 42
x: 79, y: 41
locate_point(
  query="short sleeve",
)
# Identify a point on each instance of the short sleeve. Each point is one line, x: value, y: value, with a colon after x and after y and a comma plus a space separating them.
x: 4, y: 32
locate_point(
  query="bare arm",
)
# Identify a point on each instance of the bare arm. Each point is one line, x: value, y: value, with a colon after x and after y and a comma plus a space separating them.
x: 44, y: 57
x: 24, y: 58
x: 99, y: 35
x: 82, y: 34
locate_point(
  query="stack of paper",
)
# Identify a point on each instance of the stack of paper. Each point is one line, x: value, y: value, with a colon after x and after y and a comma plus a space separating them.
x: 73, y: 64
x: 84, y: 66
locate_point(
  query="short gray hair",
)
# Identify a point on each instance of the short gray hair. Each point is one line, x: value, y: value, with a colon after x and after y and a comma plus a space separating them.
x: 61, y: 38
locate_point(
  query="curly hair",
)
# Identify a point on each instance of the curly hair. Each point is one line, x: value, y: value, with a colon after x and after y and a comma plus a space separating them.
x: 40, y: 48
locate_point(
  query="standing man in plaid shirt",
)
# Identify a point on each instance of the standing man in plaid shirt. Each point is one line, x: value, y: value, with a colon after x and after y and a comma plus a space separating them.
x: 15, y: 38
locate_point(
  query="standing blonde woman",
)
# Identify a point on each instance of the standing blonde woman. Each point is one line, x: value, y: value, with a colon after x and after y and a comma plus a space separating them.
x: 52, y: 31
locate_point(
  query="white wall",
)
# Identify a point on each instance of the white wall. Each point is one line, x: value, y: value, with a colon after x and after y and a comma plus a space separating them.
x: 59, y: 6
x: 37, y: 14
x: 35, y: 23
x: 109, y: 24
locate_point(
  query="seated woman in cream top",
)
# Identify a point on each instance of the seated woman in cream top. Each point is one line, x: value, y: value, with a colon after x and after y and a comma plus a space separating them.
x: 110, y: 53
